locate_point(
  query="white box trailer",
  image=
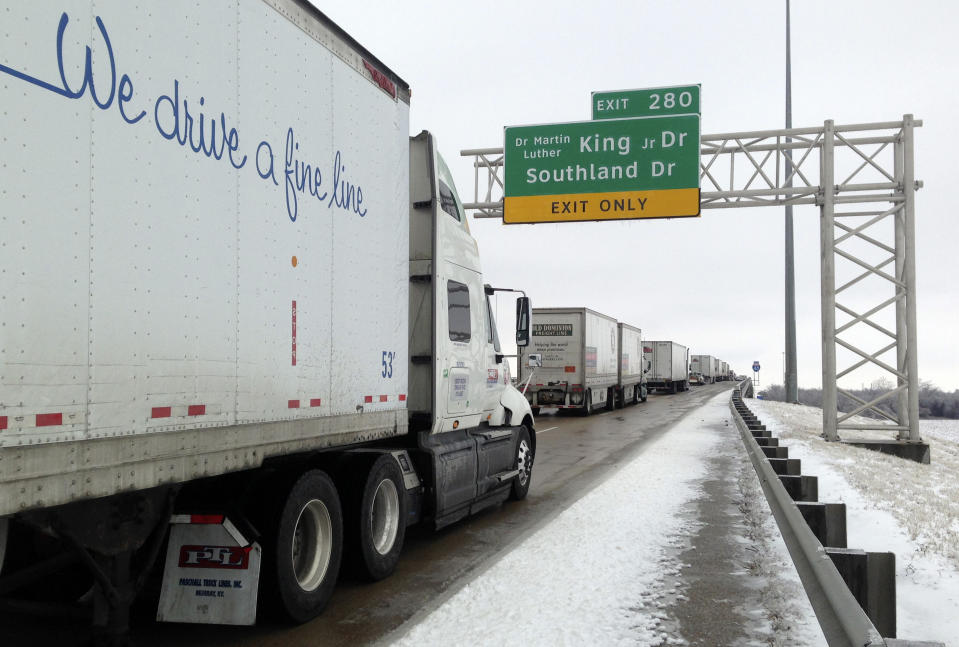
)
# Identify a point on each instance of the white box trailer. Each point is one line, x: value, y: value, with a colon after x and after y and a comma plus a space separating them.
x: 669, y: 366
x: 725, y: 371
x: 232, y: 282
x: 631, y: 379
x: 703, y: 365
x: 718, y: 369
x: 579, y: 355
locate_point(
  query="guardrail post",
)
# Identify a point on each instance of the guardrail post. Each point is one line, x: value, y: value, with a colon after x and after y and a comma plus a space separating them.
x: 827, y: 521
x: 871, y: 577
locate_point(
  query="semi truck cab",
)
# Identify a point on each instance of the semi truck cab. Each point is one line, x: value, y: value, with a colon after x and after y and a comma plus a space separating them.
x: 474, y: 425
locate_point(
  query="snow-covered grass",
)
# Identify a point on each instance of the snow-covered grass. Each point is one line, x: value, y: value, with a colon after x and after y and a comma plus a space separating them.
x: 892, y: 504
x: 940, y: 429
x: 607, y: 571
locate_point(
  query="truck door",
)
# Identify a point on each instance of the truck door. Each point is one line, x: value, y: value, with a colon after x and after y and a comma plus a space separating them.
x: 461, y: 338
x: 497, y: 371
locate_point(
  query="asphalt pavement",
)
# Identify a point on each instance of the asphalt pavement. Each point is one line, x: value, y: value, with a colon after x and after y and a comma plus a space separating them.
x: 574, y: 454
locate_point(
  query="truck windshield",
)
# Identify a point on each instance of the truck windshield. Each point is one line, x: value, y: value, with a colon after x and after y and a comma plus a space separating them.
x: 449, y: 198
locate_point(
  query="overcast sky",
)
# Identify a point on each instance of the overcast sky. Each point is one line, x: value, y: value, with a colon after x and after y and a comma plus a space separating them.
x: 713, y: 283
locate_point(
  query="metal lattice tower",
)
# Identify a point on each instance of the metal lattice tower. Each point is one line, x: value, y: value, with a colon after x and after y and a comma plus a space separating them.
x: 867, y: 243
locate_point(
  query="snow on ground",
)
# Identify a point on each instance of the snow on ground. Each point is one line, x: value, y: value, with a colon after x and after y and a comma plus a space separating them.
x: 786, y: 617
x: 891, y: 505
x: 604, y: 572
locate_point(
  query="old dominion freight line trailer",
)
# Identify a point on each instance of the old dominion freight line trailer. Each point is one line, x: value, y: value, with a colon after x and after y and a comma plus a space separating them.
x: 579, y: 352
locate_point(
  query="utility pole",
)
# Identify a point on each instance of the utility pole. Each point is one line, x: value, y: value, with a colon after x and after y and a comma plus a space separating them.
x: 791, y: 378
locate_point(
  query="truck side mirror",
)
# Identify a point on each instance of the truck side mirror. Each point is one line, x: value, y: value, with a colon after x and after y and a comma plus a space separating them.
x: 524, y: 316
x: 535, y: 360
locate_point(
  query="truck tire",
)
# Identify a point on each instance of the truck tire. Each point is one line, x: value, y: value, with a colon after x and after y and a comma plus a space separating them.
x: 610, y: 399
x: 377, y: 526
x: 535, y: 410
x: 587, y: 403
x: 674, y: 387
x: 643, y: 393
x: 524, y: 463
x: 304, y: 548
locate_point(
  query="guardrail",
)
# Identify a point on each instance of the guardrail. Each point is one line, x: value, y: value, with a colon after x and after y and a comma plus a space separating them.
x: 842, y: 620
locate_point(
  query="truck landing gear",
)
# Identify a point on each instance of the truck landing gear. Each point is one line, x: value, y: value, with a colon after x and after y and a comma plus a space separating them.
x: 4, y: 538
x: 116, y: 539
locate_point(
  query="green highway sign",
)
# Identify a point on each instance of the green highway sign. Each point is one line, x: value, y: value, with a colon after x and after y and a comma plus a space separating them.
x: 602, y: 170
x: 651, y: 102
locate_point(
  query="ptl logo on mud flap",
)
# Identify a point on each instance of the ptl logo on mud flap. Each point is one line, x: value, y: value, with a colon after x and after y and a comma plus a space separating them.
x: 235, y: 557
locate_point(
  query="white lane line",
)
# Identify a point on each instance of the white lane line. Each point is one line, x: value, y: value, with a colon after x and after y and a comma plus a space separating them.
x: 543, y: 431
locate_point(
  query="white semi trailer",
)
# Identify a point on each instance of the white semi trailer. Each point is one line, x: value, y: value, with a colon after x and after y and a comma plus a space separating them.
x: 703, y: 365
x: 578, y: 349
x: 632, y: 367
x: 669, y: 369
x: 238, y: 299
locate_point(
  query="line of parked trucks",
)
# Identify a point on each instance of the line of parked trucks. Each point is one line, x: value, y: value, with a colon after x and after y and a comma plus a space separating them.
x: 706, y: 369
x: 580, y: 359
x: 250, y: 346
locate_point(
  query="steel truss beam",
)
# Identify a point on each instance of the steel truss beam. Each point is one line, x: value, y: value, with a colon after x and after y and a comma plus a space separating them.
x: 748, y: 169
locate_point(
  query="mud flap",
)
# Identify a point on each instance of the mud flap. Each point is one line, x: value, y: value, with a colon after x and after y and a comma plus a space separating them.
x: 211, y: 573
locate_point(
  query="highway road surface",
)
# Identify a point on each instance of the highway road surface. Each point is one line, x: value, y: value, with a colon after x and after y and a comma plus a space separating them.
x: 573, y: 455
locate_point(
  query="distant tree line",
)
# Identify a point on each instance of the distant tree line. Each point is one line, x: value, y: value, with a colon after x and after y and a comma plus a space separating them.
x: 933, y: 401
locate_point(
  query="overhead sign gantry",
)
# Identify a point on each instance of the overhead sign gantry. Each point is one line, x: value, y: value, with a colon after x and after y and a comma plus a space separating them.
x: 861, y: 176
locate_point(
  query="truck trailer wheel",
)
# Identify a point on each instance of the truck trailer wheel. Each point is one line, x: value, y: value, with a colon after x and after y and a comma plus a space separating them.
x: 643, y: 393
x: 524, y: 463
x: 587, y: 403
x: 303, y: 558
x: 377, y: 526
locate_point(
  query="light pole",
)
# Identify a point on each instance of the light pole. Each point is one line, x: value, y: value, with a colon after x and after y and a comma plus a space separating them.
x: 790, y: 378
